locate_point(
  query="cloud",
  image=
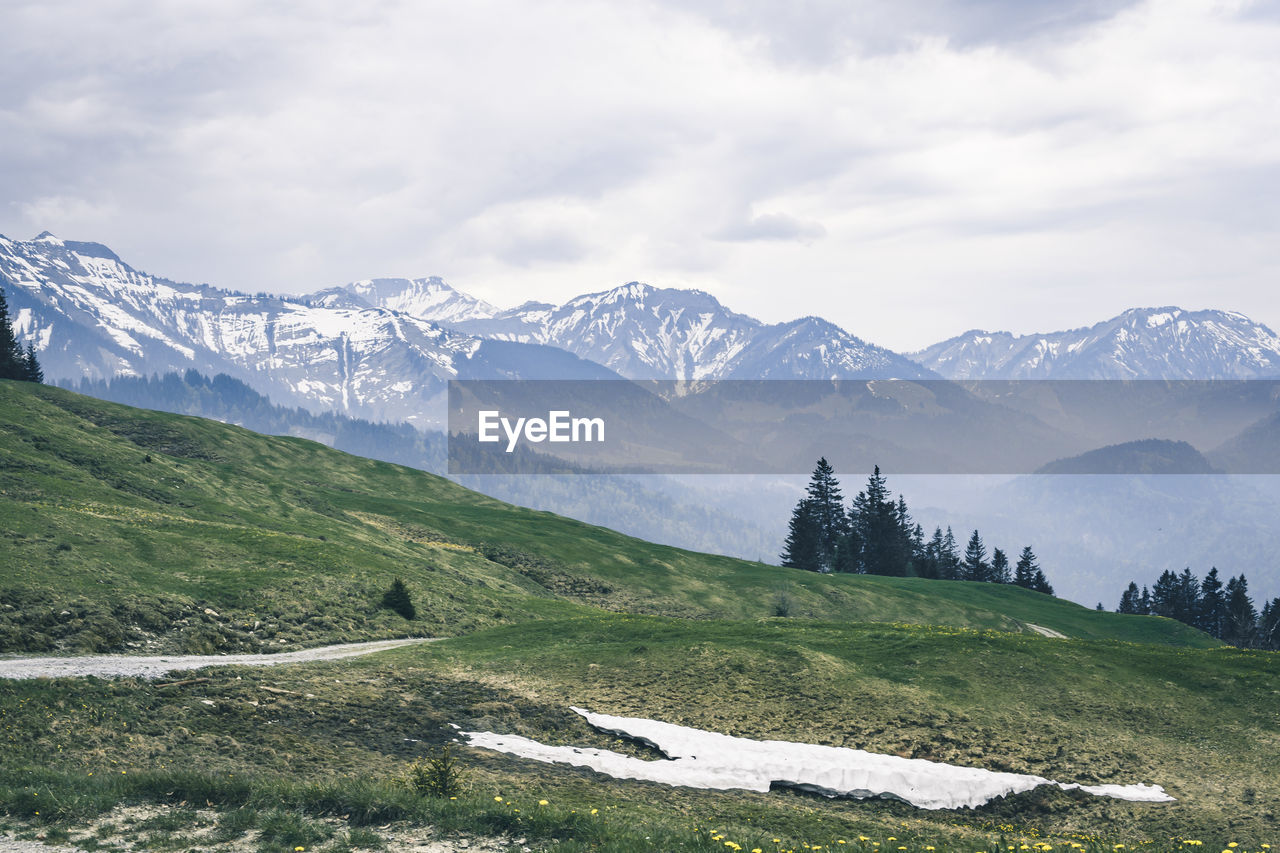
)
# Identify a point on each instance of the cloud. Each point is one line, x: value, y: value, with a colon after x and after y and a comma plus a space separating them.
x: 911, y: 169
x: 773, y: 226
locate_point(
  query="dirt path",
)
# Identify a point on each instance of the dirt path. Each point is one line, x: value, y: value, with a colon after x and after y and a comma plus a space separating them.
x: 106, y: 666
x: 1047, y: 632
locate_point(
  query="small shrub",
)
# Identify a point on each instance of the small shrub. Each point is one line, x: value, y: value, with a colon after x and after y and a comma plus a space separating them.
x: 397, y: 599
x: 782, y: 601
x: 438, y: 775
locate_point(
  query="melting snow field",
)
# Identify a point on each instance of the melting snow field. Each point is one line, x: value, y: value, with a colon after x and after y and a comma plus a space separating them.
x: 699, y: 759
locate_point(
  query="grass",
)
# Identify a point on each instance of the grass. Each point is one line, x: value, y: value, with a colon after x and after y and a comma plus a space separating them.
x: 229, y: 540
x: 333, y: 739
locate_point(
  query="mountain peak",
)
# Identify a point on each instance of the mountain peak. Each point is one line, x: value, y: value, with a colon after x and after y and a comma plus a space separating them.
x: 48, y: 237
x: 1165, y: 342
x: 430, y: 298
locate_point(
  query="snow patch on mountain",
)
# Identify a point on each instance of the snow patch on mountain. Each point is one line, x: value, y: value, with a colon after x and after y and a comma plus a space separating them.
x: 93, y: 315
x: 425, y: 298
x: 1142, y: 343
x: 645, y: 332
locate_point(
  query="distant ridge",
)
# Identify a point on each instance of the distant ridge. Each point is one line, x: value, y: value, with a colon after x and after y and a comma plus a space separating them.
x: 1148, y: 456
x: 1141, y: 343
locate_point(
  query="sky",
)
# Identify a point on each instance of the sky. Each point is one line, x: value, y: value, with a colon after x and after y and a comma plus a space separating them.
x: 908, y: 169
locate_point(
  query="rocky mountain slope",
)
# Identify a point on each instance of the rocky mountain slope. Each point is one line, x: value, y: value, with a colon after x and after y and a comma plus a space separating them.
x: 646, y: 332
x: 93, y: 315
x: 1142, y: 343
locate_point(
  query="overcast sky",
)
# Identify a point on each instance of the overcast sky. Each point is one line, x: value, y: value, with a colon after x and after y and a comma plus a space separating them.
x: 908, y: 170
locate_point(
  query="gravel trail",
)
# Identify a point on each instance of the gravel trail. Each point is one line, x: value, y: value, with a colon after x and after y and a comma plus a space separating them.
x: 106, y: 666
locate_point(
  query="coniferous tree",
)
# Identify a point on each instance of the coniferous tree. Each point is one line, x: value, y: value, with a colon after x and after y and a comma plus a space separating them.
x: 803, y: 547
x: 975, y: 559
x: 397, y: 599
x: 1186, y: 597
x: 1040, y: 583
x: 12, y: 364
x: 1241, y: 617
x: 1164, y: 594
x: 1024, y: 573
x: 1211, y: 615
x: 879, y: 522
x: 31, y: 365
x: 949, y: 557
x: 1269, y: 625
x: 1130, y: 600
x: 917, y: 551
x: 1000, y: 567
x: 929, y: 564
x: 1144, y: 603
x: 826, y: 504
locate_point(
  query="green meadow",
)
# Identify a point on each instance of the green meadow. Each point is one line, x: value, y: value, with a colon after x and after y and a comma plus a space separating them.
x: 135, y: 531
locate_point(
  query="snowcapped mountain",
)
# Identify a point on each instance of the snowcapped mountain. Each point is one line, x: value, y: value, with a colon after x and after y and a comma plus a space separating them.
x: 1142, y: 343
x: 645, y: 332
x: 424, y: 298
x: 93, y: 315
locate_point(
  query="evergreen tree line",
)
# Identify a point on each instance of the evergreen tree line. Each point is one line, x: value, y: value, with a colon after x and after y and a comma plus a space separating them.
x: 1222, y: 610
x: 876, y: 535
x: 16, y: 362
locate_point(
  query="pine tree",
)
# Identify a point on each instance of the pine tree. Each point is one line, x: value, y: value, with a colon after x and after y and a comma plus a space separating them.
x: 826, y: 504
x: 1130, y: 600
x: 803, y: 547
x: 1040, y: 583
x: 1164, y: 593
x: 1211, y: 615
x: 931, y: 556
x: 1144, y: 603
x: 1186, y: 597
x: 30, y: 365
x: 879, y: 522
x: 1241, y: 617
x: 1000, y: 567
x: 1269, y: 625
x: 1024, y: 573
x: 12, y: 365
x: 975, y: 559
x: 397, y: 599
x: 949, y: 557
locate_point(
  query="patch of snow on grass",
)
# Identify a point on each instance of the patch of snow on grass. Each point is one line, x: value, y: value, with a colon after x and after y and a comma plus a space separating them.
x: 700, y: 759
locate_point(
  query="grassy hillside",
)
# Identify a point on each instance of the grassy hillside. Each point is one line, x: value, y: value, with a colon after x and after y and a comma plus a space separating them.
x: 146, y: 531
x: 126, y: 528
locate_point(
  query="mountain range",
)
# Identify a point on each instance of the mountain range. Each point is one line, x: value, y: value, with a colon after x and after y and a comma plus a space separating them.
x: 1141, y: 343
x: 383, y: 348
x: 93, y: 315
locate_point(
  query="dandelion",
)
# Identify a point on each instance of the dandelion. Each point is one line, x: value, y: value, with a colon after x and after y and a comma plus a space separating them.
x: 497, y: 799
x: 542, y: 802
x: 595, y: 811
